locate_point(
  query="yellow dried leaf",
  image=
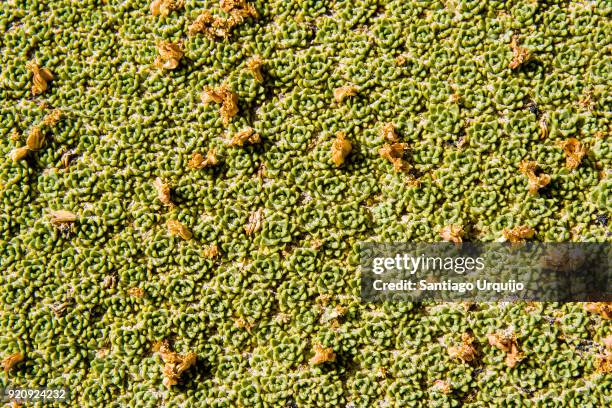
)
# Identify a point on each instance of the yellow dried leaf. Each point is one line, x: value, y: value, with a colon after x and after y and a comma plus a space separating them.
x: 170, y: 54
x: 210, y: 25
x: 174, y: 364
x: 465, y: 351
x: 452, y: 233
x: 163, y: 191
x: 35, y: 139
x: 518, y: 234
x: 9, y: 362
x: 198, y: 161
x: 536, y: 181
x: 442, y: 386
x: 574, y: 152
x: 520, y: 55
x: 52, y: 118
x: 19, y: 153
x: 136, y: 292
x: 62, y: 217
x: 40, y: 77
x: 255, y: 65
x: 341, y: 148
x: 388, y: 133
x: 247, y: 135
x: 604, y: 309
x: 177, y: 228
x: 604, y: 363
x: 238, y: 10
x: 507, y: 343
x: 227, y: 99
x: 322, y: 354
x: 343, y: 92
x: 165, y: 7
x: 212, y: 251
x: 394, y: 152
x: 544, y: 126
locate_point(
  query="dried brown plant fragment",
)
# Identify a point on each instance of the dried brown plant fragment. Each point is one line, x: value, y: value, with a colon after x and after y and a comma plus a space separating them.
x: 9, y: 362
x: 52, y: 118
x: 442, y: 386
x: 322, y: 355
x: 604, y: 363
x: 19, y: 153
x: 506, y: 342
x: 174, y: 364
x: 255, y: 220
x: 224, y: 96
x: 40, y: 77
x: 536, y: 181
x: 574, y: 152
x: 452, y: 233
x: 165, y: 7
x: 36, y: 139
x: 388, y: 133
x: 136, y: 292
x: 62, y: 218
x: 465, y: 351
x: 520, y: 55
x: 177, y: 228
x: 518, y: 234
x: 242, y: 323
x: 243, y: 137
x: 543, y: 123
x: 255, y: 64
x: 163, y: 191
x: 604, y: 309
x: 170, y: 55
x: 198, y: 161
x: 341, y: 148
x: 210, y: 26
x: 343, y: 92
x: 394, y: 153
x: 238, y: 10
x: 211, y: 252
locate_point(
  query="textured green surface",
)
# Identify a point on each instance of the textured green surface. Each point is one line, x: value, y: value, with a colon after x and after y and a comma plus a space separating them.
x: 127, y: 123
